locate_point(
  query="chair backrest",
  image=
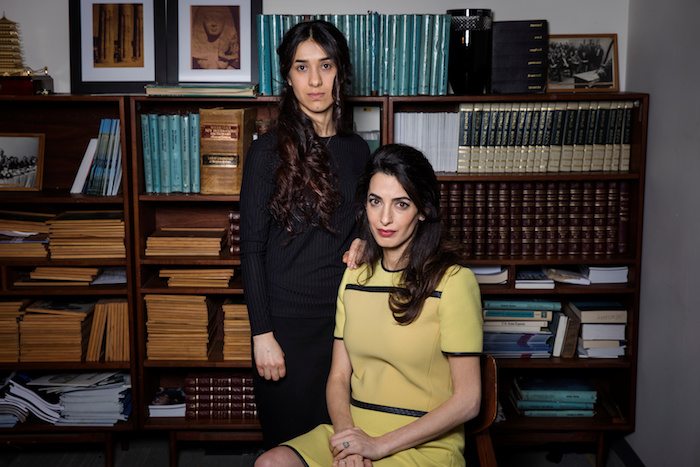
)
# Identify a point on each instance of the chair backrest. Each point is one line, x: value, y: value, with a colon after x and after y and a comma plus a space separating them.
x: 476, y: 430
x: 489, y: 397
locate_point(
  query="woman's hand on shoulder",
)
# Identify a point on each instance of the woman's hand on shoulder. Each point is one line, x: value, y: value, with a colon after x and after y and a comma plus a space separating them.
x: 269, y: 357
x: 354, y: 256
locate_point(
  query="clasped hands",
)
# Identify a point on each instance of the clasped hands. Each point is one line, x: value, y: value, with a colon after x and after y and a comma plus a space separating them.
x: 354, y: 448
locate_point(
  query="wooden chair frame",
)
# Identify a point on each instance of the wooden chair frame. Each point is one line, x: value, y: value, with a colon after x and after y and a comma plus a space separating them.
x: 477, y: 429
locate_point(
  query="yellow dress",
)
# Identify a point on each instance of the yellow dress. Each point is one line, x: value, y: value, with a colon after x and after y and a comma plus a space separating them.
x: 386, y: 396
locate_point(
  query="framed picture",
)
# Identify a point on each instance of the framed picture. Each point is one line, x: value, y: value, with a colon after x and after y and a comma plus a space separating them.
x: 21, y: 161
x: 583, y: 62
x: 116, y: 47
x: 215, y: 39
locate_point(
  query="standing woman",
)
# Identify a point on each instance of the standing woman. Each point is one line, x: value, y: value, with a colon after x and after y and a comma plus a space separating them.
x: 405, y: 374
x: 297, y: 219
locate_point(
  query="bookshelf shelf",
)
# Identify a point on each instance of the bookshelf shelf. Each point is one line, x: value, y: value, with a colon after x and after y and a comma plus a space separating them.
x: 64, y: 366
x: 86, y: 291
x: 532, y: 177
x: 179, y: 423
x: 192, y: 261
x: 190, y: 198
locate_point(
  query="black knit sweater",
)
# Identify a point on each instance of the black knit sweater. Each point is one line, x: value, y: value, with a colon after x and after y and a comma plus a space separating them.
x: 299, y: 276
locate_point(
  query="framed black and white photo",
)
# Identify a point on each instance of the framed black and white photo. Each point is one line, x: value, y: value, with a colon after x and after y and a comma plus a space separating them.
x: 216, y: 41
x: 21, y: 161
x: 582, y: 63
x: 116, y: 47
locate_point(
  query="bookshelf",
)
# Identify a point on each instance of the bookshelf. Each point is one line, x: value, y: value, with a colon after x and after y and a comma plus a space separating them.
x: 615, y: 377
x: 68, y: 123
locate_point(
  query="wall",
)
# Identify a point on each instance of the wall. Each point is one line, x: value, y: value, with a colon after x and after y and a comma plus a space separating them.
x: 662, y: 61
x: 44, y: 24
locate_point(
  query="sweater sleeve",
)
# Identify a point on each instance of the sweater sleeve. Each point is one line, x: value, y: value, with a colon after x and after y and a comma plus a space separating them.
x: 256, y: 190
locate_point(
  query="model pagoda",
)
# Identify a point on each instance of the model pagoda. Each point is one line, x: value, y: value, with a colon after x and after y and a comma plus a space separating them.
x: 11, y: 63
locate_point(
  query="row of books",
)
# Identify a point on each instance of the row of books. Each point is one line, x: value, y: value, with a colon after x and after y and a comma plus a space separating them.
x: 100, y: 171
x: 538, y: 218
x: 64, y: 330
x: 199, y: 277
x: 398, y: 55
x: 56, y: 276
x: 84, y: 399
x: 574, y: 136
x: 181, y: 241
x: 553, y: 397
x: 170, y: 145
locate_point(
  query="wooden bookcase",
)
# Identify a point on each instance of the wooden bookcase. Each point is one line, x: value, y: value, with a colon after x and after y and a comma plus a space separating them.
x: 615, y: 377
x: 68, y: 123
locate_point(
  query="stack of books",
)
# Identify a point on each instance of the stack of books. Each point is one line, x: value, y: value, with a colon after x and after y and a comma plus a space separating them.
x: 518, y: 328
x: 88, y: 399
x: 55, y: 330
x: 10, y: 314
x: 490, y: 274
x: 532, y: 278
x: 168, y: 402
x: 26, y: 401
x: 553, y: 397
x: 200, y: 277
x: 87, y: 234
x: 185, y: 242
x: 24, y: 234
x: 603, y: 326
x: 170, y: 148
x: 181, y: 335
x: 220, y: 397
x: 109, y: 333
x: 236, y: 332
x: 100, y: 171
x: 606, y: 274
x: 51, y: 276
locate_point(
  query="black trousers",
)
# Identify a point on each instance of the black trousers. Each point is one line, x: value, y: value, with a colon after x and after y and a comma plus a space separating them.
x: 296, y: 403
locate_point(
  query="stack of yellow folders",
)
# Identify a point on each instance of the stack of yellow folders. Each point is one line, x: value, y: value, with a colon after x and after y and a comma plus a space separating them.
x: 87, y: 234
x: 236, y: 332
x: 177, y: 327
x: 10, y: 313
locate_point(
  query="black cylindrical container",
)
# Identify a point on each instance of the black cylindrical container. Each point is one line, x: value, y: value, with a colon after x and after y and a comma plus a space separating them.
x: 469, y: 68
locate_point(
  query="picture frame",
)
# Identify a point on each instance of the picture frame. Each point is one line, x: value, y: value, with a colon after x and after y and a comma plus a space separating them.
x: 583, y: 63
x: 21, y: 161
x: 224, y: 53
x: 116, y: 47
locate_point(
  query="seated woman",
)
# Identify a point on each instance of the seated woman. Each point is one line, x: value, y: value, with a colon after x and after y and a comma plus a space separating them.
x: 408, y: 334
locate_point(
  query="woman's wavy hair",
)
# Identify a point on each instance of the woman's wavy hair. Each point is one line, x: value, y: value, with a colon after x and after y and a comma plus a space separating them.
x: 306, y: 192
x: 428, y: 254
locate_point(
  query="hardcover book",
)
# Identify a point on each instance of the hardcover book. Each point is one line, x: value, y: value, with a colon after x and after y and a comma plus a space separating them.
x: 225, y: 135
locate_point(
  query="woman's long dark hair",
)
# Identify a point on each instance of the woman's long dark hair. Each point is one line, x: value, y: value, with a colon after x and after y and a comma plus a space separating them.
x: 306, y: 191
x: 428, y: 253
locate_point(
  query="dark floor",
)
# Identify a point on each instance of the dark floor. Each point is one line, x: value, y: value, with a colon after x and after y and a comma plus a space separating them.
x: 153, y: 452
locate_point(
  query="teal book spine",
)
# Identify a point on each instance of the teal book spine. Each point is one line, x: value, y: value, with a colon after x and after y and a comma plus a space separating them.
x: 114, y: 155
x: 548, y: 305
x: 415, y: 55
x: 175, y: 153
x: 551, y: 405
x: 95, y: 180
x: 518, y: 314
x: 393, y: 56
x: 426, y: 55
x: 146, y: 153
x: 185, y: 152
x: 194, y: 152
x: 155, y: 151
x: 264, y: 55
x: 383, y: 59
x: 436, y: 47
x: 444, y: 55
x: 362, y: 53
x: 558, y: 413
x: 402, y: 53
x: 373, y: 48
x: 275, y: 39
x: 164, y: 136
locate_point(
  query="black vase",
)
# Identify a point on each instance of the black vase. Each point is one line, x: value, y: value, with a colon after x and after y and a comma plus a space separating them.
x: 469, y: 68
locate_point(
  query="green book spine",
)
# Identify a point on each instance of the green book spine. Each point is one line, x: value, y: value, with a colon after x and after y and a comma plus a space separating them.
x: 276, y: 34
x: 522, y: 305
x: 194, y: 152
x: 414, y: 54
x: 175, y: 153
x: 164, y: 137
x: 146, y: 153
x: 426, y: 55
x: 185, y: 152
x: 155, y: 151
x: 384, y: 57
x: 264, y: 55
x: 394, y: 53
x: 373, y: 49
x: 403, y: 52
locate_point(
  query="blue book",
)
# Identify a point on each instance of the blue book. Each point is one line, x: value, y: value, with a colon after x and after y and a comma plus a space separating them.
x: 531, y: 304
x: 403, y: 52
x: 194, y: 152
x: 185, y: 152
x: 155, y: 151
x: 444, y: 55
x: 373, y: 49
x: 554, y: 389
x: 518, y: 314
x: 264, y: 55
x: 394, y: 54
x: 362, y: 45
x: 384, y: 56
x: 437, y: 46
x: 94, y: 180
x: 175, y: 153
x: 115, y: 154
x: 426, y: 55
x: 164, y: 140
x: 554, y: 405
x: 146, y: 153
x: 415, y: 58
x: 276, y: 34
x: 559, y: 413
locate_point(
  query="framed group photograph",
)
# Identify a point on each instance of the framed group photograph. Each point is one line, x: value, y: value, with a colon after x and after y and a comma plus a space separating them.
x: 212, y: 41
x: 116, y: 47
x: 21, y: 161
x: 582, y: 63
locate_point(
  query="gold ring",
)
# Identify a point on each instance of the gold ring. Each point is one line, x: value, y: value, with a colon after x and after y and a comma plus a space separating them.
x: 346, y: 444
